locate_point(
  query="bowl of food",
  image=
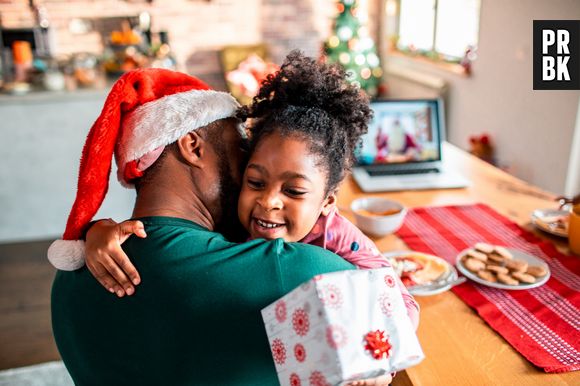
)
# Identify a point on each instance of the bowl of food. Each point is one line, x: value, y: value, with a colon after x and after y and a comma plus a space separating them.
x: 378, y: 216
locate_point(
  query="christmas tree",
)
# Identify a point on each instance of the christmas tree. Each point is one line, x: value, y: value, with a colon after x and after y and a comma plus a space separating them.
x: 351, y: 46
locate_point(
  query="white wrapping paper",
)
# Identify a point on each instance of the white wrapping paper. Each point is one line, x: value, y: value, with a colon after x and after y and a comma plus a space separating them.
x: 317, y: 331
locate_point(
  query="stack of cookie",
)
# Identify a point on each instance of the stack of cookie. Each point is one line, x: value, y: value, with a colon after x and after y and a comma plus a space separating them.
x: 496, y: 264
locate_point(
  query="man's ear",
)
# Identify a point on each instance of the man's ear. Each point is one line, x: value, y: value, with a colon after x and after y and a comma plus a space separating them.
x: 192, y: 148
x: 328, y: 204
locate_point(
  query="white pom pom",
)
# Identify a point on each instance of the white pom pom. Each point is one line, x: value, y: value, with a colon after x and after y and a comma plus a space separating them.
x: 67, y: 255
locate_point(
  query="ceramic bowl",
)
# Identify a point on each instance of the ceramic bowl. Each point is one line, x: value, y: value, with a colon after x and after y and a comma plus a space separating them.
x: 377, y: 216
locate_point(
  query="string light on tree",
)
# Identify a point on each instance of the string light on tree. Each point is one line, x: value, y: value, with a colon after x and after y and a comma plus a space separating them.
x: 351, y: 46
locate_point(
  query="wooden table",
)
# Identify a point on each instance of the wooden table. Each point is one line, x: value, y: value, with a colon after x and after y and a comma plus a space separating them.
x: 460, y: 349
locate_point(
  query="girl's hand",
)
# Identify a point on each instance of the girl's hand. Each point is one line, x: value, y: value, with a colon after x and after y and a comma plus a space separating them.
x: 106, y: 259
x: 383, y: 380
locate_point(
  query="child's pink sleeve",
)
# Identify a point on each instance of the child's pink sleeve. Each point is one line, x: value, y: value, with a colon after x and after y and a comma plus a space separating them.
x: 336, y: 234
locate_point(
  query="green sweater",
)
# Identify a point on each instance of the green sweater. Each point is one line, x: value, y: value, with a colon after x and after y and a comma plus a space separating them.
x: 195, y: 318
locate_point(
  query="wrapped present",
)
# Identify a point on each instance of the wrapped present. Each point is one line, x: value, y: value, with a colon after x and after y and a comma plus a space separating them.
x: 339, y: 327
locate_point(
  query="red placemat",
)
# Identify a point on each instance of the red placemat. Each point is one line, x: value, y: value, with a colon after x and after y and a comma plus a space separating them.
x: 542, y: 323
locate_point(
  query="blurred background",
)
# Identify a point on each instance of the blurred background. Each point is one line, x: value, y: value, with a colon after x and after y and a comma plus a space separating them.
x: 59, y: 59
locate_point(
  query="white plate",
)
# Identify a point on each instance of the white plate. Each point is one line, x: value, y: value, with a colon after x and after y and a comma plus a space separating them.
x: 531, y: 260
x: 539, y: 214
x: 449, y: 276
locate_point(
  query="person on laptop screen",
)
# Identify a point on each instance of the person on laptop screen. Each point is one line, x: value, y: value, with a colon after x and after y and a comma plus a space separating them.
x: 394, y: 144
x: 402, y: 149
x: 401, y: 132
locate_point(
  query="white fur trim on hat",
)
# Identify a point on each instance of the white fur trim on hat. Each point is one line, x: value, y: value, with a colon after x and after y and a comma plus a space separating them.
x: 67, y: 255
x: 165, y: 120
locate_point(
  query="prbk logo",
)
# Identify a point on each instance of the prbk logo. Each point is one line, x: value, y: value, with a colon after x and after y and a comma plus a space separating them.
x: 556, y: 54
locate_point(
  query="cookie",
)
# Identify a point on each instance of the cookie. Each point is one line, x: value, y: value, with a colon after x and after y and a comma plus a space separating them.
x: 474, y: 265
x: 486, y: 275
x: 496, y: 258
x: 499, y: 263
x: 536, y: 270
x: 524, y: 277
x: 507, y: 279
x: 503, y: 253
x: 516, y: 265
x: 477, y: 255
x: 497, y: 268
x: 485, y: 248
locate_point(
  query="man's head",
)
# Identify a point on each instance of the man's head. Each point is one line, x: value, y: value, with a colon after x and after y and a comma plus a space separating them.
x: 203, y: 168
x: 146, y: 110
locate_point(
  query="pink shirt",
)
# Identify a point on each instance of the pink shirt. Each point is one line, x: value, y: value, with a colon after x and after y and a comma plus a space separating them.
x: 336, y: 234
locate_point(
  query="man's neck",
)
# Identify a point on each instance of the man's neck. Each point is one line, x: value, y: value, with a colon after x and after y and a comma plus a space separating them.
x: 168, y: 203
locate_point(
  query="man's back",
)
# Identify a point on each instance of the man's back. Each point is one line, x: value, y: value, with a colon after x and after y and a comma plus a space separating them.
x: 194, y: 319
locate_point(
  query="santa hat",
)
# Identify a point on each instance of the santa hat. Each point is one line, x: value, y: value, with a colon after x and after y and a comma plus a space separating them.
x: 146, y: 110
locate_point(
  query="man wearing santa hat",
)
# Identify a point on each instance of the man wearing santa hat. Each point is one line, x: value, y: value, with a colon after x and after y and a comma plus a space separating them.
x: 196, y: 317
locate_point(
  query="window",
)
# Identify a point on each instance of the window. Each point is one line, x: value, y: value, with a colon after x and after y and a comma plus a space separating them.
x: 439, y: 29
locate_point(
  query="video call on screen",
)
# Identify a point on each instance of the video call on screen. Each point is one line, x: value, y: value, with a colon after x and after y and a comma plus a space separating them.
x: 401, y: 131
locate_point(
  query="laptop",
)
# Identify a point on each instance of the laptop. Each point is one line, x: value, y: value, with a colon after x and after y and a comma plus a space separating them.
x: 402, y: 149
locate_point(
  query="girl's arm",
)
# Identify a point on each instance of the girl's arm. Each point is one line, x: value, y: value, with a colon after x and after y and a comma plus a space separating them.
x: 107, y: 261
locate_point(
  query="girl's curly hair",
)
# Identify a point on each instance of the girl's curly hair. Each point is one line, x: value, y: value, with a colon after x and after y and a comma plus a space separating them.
x: 314, y: 102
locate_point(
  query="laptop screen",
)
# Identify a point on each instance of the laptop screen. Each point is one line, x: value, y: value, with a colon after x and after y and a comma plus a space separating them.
x: 402, y: 131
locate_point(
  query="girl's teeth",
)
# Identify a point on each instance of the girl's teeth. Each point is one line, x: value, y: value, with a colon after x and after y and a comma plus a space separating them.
x: 267, y: 225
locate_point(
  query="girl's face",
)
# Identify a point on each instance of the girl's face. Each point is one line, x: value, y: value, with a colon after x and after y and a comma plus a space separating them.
x: 283, y: 191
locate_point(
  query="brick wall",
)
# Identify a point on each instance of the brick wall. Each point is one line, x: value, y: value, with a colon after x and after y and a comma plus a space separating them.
x: 198, y: 29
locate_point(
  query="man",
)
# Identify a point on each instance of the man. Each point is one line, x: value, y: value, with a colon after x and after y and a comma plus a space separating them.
x: 196, y: 317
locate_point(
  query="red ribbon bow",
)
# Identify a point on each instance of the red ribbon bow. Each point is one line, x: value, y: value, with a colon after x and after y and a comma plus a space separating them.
x: 378, y: 344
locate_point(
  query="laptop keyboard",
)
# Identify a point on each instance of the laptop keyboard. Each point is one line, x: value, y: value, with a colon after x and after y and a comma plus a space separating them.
x: 401, y: 171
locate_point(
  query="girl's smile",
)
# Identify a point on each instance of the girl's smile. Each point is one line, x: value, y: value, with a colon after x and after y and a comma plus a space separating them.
x: 266, y: 229
x: 283, y: 190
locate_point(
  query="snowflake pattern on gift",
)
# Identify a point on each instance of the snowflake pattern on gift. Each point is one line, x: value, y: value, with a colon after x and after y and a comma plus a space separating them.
x: 281, y: 311
x: 299, y: 352
x: 386, y: 304
x: 336, y: 336
x: 278, y: 351
x: 331, y: 296
x: 318, y: 379
x: 390, y: 281
x: 295, y: 380
x: 300, y: 322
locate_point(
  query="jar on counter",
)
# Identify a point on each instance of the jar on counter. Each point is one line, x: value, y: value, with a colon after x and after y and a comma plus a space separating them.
x: 86, y: 70
x: 53, y: 78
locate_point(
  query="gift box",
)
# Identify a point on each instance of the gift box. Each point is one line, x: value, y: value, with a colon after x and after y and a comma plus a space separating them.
x: 339, y: 327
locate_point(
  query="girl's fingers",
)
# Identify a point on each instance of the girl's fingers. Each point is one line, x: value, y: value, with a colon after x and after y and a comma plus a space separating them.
x: 123, y: 261
x: 105, y: 279
x: 140, y: 230
x: 129, y: 227
x: 115, y: 271
x: 383, y: 380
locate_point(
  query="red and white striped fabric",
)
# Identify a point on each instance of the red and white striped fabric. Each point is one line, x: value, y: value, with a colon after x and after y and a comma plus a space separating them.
x: 543, y: 323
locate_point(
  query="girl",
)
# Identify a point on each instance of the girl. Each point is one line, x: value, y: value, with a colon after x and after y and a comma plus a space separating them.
x: 306, y: 124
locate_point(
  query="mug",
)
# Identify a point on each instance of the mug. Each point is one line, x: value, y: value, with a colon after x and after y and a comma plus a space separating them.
x: 574, y: 230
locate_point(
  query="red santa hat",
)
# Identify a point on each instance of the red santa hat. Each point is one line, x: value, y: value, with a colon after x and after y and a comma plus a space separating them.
x: 146, y: 110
